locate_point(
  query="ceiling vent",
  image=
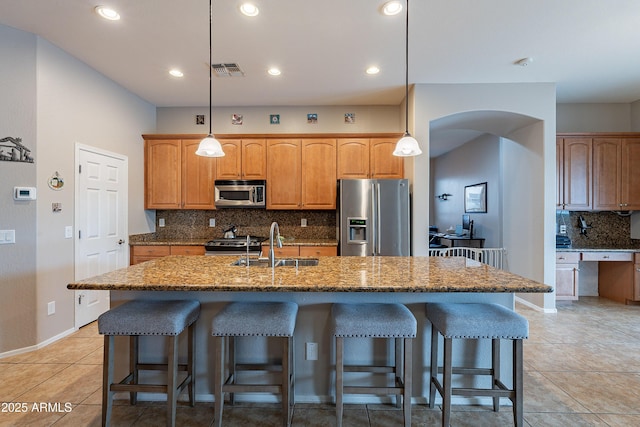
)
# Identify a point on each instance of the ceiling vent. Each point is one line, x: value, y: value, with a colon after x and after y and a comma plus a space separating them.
x: 227, y: 70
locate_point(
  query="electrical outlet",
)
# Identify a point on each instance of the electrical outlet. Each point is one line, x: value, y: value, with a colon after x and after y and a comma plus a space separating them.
x: 312, y: 351
x: 212, y: 222
x: 51, y: 308
x: 68, y: 232
x: 161, y: 222
x: 303, y: 222
x: 563, y: 229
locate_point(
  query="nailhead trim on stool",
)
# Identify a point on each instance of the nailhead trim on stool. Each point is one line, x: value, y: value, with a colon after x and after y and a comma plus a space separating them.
x: 476, y: 321
x: 389, y: 321
x: 142, y: 318
x: 243, y: 319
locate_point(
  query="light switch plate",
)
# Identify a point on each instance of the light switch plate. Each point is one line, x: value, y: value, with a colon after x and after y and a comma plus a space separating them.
x: 303, y: 222
x: 7, y: 237
x: 161, y: 222
x: 68, y: 232
x: 212, y: 222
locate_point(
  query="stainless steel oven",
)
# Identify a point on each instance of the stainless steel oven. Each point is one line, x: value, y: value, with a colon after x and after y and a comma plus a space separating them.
x: 240, y: 194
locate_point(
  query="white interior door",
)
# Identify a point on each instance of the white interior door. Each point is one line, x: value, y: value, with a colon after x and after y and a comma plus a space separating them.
x: 101, y: 225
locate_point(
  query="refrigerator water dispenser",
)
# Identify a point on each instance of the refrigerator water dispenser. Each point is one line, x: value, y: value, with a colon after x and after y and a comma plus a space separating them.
x: 357, y: 230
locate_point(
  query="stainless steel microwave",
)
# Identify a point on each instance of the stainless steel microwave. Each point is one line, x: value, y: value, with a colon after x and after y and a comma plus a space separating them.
x: 240, y: 194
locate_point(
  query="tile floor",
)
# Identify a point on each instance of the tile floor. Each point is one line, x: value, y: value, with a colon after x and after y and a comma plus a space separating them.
x: 582, y: 368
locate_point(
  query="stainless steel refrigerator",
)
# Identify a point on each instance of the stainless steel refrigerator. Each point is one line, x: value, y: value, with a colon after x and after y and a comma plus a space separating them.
x: 373, y: 216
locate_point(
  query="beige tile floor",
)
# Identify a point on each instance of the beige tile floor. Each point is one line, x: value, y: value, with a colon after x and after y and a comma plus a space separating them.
x: 582, y: 368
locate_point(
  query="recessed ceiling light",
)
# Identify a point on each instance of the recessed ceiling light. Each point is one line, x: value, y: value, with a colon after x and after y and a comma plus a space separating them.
x: 274, y: 71
x: 373, y: 70
x: 107, y: 13
x: 391, y: 8
x: 176, y: 73
x: 249, y: 9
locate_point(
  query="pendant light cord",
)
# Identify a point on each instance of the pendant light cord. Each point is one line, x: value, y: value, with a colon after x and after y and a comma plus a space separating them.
x: 406, y: 74
x: 210, y: 64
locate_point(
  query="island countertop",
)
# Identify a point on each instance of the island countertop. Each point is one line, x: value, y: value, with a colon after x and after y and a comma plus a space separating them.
x: 332, y: 274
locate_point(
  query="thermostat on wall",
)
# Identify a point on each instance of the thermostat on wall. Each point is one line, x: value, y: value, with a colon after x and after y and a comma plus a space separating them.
x: 24, y: 193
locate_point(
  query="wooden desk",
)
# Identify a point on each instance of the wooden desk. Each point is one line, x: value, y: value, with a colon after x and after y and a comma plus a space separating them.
x: 454, y: 241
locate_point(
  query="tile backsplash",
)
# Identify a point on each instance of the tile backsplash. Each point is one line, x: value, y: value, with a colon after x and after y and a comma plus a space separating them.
x: 608, y: 230
x: 194, y: 224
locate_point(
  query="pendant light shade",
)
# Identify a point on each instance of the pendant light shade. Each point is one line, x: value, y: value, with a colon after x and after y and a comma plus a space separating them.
x: 210, y: 146
x: 407, y: 146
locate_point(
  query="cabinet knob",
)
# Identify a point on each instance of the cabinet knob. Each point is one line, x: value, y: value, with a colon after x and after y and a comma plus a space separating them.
x: 561, y: 257
x: 605, y: 256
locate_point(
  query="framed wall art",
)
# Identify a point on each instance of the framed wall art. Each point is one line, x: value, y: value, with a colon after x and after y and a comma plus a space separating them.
x: 475, y: 198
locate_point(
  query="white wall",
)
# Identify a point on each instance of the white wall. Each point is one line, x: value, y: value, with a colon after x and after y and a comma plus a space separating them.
x: 76, y: 104
x: 476, y: 161
x: 292, y: 119
x: 595, y: 118
x: 18, y: 120
x: 434, y: 101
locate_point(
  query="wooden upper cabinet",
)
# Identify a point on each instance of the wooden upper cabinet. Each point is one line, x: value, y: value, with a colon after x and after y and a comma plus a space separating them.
x: 243, y: 159
x: 198, y: 175
x: 630, y: 187
x: 607, y: 164
x: 383, y: 163
x: 163, y: 177
x: 353, y: 158
x: 368, y: 158
x: 175, y: 178
x: 318, y: 174
x: 284, y: 174
x: 577, y: 174
x: 559, y: 174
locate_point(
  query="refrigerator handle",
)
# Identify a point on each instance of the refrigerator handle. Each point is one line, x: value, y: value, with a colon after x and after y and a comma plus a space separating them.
x: 374, y: 220
x: 378, y: 232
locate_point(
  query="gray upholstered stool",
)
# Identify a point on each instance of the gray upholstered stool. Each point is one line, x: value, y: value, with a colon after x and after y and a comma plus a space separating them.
x: 476, y: 321
x: 389, y: 321
x: 243, y: 319
x: 141, y: 317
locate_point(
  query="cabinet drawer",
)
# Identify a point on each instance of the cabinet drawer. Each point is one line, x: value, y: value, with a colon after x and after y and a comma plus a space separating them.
x: 150, y: 250
x: 567, y: 257
x: 318, y: 251
x: 281, y: 252
x: 607, y: 256
x: 187, y: 250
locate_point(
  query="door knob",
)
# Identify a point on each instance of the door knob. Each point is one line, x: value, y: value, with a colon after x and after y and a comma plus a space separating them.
x: 120, y: 242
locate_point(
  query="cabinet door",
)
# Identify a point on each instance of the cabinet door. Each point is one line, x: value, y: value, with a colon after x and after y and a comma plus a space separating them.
x: 230, y: 166
x: 382, y: 162
x: 566, y: 281
x: 577, y: 193
x: 187, y: 250
x: 254, y: 159
x: 630, y: 187
x: 162, y: 178
x: 559, y: 173
x: 319, y: 174
x: 284, y: 174
x: 636, y: 282
x: 313, y: 251
x: 198, y: 174
x: 352, y: 158
x: 606, y: 173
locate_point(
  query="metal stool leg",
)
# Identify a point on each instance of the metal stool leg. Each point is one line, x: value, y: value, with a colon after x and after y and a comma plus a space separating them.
x: 191, y: 363
x: 231, y: 345
x: 408, y: 361
x: 172, y: 380
x: 134, y: 347
x: 339, y: 379
x: 446, y: 382
x: 518, y: 385
x: 286, y: 382
x: 399, y: 376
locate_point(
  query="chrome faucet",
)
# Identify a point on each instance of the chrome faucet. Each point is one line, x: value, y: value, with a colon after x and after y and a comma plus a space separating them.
x: 272, y: 254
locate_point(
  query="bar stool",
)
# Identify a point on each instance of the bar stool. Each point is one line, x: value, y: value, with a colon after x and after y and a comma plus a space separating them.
x: 476, y: 321
x: 388, y: 321
x: 244, y: 319
x: 139, y: 318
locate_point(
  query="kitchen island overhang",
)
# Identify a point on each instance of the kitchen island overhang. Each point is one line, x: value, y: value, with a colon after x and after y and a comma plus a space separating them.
x: 412, y: 281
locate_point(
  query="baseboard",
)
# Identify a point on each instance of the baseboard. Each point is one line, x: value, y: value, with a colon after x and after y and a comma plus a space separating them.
x: 37, y: 346
x: 535, y: 307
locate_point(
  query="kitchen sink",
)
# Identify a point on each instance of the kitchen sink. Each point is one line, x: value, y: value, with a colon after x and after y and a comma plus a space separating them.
x: 282, y: 262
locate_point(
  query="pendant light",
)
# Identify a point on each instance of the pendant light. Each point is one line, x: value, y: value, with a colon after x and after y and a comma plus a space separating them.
x: 407, y: 145
x: 210, y: 146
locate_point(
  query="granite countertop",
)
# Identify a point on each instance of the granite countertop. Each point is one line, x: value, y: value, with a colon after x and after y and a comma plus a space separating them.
x: 333, y: 274
x: 151, y: 239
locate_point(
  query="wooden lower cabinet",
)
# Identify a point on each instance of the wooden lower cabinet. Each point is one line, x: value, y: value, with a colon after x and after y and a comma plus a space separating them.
x: 142, y: 253
x: 305, y: 251
x: 618, y: 277
x: 567, y: 269
x: 636, y: 278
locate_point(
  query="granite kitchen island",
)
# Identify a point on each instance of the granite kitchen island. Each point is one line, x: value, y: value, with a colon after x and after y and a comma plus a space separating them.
x: 214, y: 281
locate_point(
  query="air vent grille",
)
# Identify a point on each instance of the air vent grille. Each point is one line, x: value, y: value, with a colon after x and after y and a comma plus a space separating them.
x: 227, y: 70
